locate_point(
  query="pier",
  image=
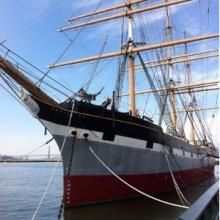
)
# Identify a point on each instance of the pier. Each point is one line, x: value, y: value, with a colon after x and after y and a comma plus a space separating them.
x: 206, y: 207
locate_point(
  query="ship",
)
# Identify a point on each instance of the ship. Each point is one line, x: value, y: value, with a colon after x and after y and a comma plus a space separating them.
x: 153, y: 157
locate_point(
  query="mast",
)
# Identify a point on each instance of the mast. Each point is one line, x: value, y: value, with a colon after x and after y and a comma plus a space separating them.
x: 171, y: 93
x: 131, y: 70
x: 191, y: 101
x: 132, y: 49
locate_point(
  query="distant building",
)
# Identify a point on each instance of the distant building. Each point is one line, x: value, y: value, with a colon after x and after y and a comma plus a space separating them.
x: 5, y: 157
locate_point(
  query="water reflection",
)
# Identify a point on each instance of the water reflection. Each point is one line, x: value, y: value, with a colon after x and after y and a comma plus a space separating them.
x: 141, y: 208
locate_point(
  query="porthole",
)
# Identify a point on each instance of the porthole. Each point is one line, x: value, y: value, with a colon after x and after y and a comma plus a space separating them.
x: 73, y: 132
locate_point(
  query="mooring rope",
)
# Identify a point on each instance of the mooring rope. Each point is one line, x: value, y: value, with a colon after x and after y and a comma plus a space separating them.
x: 180, y: 194
x: 54, y: 170
x: 132, y: 187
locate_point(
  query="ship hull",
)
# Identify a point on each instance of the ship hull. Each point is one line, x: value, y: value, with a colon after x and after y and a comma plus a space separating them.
x: 84, y: 190
x: 86, y: 181
x: 137, y: 151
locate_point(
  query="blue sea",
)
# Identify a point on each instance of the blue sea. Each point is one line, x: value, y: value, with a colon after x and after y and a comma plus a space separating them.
x: 22, y: 186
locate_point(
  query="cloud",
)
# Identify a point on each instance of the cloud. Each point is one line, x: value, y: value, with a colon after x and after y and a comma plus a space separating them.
x: 202, y: 76
x: 159, y: 14
x: 149, y: 18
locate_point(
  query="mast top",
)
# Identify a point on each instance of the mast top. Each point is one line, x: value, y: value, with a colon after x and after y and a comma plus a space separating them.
x: 129, y: 3
x: 122, y: 14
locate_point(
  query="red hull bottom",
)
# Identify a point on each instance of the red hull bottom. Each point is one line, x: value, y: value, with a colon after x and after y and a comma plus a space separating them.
x: 82, y: 190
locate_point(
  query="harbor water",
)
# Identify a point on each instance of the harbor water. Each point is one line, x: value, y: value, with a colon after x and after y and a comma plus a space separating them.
x: 22, y: 186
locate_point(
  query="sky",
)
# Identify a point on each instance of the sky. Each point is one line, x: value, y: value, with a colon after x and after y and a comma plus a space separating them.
x: 30, y: 29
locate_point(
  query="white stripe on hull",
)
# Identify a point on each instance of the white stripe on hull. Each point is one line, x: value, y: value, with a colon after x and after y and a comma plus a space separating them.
x: 123, y: 155
x: 61, y: 130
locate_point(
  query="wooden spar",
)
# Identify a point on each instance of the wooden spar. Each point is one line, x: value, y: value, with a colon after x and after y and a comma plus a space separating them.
x: 180, y: 87
x: 173, y: 107
x: 194, y: 110
x: 22, y: 80
x: 131, y: 72
x: 198, y: 90
x: 132, y: 86
x: 134, y: 50
x: 183, y: 91
x: 179, y: 59
x: 122, y: 5
x: 123, y: 14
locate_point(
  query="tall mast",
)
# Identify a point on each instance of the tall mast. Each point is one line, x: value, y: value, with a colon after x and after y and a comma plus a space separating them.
x: 191, y: 103
x: 131, y: 49
x: 170, y: 70
x: 131, y: 71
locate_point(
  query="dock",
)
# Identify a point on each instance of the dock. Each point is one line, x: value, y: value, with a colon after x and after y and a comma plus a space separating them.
x: 206, y: 207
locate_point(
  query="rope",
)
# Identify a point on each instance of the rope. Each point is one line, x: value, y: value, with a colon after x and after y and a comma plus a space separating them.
x: 160, y: 102
x: 28, y: 71
x: 15, y: 95
x: 55, y: 167
x: 180, y: 194
x: 132, y: 187
x: 68, y: 46
x: 93, y: 73
x: 42, y: 145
